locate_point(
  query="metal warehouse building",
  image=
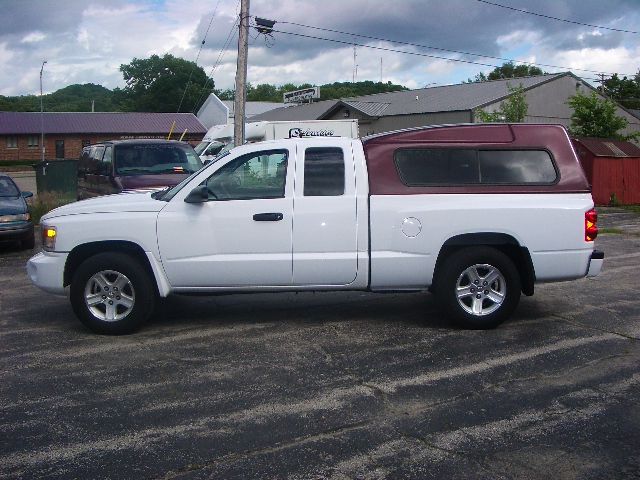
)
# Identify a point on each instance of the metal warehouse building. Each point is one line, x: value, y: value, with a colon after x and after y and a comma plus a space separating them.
x: 546, y: 96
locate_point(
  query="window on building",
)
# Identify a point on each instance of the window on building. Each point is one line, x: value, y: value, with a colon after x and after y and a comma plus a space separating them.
x: 32, y: 141
x: 323, y: 172
x: 451, y: 166
x: 59, y: 148
x: 12, y: 142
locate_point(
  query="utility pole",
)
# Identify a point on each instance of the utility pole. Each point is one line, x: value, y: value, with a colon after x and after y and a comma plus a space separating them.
x: 41, y: 115
x: 601, y: 82
x: 241, y: 74
x: 355, y: 66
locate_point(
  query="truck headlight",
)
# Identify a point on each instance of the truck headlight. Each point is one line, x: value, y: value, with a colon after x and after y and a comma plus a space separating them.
x: 49, y: 235
x: 14, y: 218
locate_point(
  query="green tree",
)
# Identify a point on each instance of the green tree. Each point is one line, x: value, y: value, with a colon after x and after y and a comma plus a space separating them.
x: 157, y: 84
x: 508, y: 70
x: 271, y: 93
x: 625, y: 91
x: 512, y: 110
x: 594, y: 116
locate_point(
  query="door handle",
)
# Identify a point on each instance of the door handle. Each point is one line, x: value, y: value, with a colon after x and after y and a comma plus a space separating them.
x: 268, y: 217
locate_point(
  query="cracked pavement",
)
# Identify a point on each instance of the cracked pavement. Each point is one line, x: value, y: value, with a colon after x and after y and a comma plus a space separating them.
x: 328, y: 385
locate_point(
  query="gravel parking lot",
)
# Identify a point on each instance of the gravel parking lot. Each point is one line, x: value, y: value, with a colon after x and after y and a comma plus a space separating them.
x: 328, y: 385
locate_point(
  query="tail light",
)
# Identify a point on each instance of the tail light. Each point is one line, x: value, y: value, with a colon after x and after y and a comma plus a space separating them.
x: 590, y: 225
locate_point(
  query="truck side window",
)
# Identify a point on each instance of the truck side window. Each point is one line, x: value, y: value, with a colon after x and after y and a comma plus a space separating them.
x: 439, y: 166
x: 96, y: 159
x: 255, y: 175
x: 516, y: 167
x: 323, y: 172
x: 456, y: 166
x: 105, y: 166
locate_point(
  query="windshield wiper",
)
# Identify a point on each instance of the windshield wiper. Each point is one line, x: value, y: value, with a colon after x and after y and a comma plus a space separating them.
x: 160, y: 193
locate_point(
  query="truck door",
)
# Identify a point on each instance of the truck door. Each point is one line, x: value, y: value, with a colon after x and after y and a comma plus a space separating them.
x: 325, y: 225
x: 241, y: 236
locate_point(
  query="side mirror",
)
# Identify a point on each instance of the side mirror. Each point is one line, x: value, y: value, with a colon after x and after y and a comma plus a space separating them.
x: 198, y: 195
x: 27, y: 194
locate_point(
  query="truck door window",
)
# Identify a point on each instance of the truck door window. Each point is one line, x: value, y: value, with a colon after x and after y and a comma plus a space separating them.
x: 255, y: 175
x: 105, y: 166
x: 323, y: 172
x: 96, y: 159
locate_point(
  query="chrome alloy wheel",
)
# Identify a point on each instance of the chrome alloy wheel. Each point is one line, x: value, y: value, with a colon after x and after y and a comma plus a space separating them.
x: 481, y: 289
x: 109, y: 295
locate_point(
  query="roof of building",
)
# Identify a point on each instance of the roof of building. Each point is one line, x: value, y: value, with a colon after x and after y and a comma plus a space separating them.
x: 634, y: 112
x: 305, y: 111
x: 602, y: 147
x: 252, y: 108
x: 24, y: 123
x: 447, y: 98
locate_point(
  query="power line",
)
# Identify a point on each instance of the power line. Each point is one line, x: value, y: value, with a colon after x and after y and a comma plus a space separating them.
x: 386, y: 49
x: 461, y: 52
x: 221, y: 54
x: 521, y: 10
x: 195, y: 64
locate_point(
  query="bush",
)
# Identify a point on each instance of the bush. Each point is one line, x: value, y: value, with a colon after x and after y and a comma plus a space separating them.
x: 45, y: 202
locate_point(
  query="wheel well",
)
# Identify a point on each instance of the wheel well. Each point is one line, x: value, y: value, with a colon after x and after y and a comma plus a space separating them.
x: 500, y: 241
x: 80, y: 253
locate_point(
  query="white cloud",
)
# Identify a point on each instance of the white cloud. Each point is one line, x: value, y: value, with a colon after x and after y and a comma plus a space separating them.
x: 621, y: 60
x: 86, y: 41
x: 34, y: 37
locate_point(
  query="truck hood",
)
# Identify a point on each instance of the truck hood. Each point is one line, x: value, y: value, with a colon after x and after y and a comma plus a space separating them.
x: 122, y: 202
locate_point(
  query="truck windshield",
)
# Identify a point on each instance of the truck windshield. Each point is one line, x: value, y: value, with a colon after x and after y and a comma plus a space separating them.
x: 149, y: 159
x: 8, y: 188
x: 201, y: 147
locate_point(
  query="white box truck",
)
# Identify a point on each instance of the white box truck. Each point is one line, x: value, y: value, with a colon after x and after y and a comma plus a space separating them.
x: 219, y: 138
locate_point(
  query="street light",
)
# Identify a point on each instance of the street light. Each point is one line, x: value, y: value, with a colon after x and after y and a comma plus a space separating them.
x: 41, y: 114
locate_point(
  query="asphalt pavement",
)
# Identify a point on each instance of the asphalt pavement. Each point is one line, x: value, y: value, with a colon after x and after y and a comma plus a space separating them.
x: 328, y: 385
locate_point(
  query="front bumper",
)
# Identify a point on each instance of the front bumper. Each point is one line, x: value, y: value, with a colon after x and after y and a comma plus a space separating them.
x: 16, y: 230
x: 46, y: 271
x: 595, y: 263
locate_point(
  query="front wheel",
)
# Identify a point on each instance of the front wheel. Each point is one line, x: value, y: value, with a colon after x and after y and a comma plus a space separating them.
x: 112, y: 293
x: 478, y: 287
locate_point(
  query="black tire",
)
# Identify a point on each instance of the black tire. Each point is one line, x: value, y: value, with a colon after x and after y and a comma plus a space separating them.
x: 461, y: 299
x: 28, y: 242
x: 135, y: 289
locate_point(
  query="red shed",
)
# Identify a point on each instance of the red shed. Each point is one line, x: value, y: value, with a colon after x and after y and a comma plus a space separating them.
x: 612, y: 167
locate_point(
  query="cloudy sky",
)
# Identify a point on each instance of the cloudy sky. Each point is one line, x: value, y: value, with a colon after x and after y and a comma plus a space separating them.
x: 85, y: 41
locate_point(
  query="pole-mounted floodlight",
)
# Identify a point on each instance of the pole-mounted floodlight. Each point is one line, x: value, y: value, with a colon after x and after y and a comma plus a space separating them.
x: 264, y: 26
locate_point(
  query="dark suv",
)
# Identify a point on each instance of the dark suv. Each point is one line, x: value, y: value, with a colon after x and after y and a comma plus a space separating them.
x: 120, y: 165
x: 15, y: 220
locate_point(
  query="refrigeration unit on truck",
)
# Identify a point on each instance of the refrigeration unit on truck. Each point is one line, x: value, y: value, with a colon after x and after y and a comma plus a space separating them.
x: 219, y: 138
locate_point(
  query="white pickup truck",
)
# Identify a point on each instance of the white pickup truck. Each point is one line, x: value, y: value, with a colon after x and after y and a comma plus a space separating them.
x: 476, y: 214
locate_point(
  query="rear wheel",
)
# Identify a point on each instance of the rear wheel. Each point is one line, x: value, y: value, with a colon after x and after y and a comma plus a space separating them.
x: 478, y: 287
x: 112, y: 293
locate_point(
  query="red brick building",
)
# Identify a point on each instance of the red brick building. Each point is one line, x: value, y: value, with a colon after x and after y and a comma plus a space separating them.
x: 65, y: 133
